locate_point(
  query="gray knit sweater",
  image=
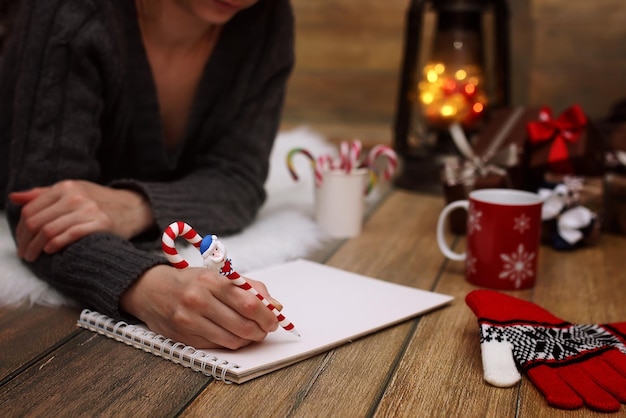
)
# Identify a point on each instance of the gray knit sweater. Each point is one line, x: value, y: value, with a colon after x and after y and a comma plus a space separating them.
x: 77, y: 101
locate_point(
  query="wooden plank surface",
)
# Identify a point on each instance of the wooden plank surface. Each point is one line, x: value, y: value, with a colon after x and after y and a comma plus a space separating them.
x: 429, y: 366
x: 347, y: 381
x: 26, y: 332
x: 92, y: 375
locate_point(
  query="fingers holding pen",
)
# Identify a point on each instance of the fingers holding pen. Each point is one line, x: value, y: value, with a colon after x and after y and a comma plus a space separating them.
x: 198, y: 307
x: 224, y: 314
x: 248, y: 306
x: 213, y: 253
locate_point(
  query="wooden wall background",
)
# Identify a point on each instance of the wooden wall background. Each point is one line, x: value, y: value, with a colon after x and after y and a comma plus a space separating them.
x: 349, y: 53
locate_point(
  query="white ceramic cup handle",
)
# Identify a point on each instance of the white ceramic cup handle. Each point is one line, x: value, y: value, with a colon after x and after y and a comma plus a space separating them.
x: 441, y: 239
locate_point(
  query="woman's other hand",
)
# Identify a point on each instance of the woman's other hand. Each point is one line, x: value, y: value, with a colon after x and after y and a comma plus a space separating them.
x: 55, y: 216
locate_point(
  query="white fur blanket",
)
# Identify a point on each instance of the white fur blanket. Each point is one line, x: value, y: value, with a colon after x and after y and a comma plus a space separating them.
x: 283, y: 230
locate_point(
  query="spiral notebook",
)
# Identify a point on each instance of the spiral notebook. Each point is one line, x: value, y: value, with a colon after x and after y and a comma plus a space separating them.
x: 328, y: 306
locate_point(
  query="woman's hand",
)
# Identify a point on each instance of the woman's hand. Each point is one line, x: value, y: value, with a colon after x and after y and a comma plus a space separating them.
x: 198, y: 307
x: 55, y: 216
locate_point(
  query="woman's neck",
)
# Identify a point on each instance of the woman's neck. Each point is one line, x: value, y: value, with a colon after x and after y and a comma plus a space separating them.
x: 178, y: 46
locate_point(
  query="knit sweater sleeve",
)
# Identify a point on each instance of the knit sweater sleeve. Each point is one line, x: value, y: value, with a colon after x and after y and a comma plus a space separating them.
x: 55, y: 135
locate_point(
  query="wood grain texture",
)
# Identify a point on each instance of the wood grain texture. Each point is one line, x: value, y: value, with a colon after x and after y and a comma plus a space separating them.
x: 96, y: 376
x: 579, y: 55
x: 33, y: 330
x: 428, y: 366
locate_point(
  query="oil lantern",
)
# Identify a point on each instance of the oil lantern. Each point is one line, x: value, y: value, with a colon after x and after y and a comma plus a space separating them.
x: 455, y: 69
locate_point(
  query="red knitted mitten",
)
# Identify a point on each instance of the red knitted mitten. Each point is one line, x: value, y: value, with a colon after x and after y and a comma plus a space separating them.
x: 572, y: 365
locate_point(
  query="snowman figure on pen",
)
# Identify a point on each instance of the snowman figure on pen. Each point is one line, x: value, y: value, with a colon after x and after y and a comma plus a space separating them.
x: 214, y: 255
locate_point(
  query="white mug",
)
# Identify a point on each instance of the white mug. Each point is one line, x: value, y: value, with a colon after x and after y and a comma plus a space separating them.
x: 340, y: 202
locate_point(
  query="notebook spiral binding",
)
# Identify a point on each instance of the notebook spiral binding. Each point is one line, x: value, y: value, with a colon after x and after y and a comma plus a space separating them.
x: 151, y: 342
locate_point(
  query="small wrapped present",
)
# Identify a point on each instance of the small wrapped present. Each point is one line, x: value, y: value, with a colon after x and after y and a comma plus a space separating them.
x: 616, y: 161
x: 616, y: 136
x: 615, y: 203
x: 503, y: 142
x: 567, y: 223
x: 471, y: 172
x: 615, y: 156
x: 459, y: 179
x: 568, y: 144
x: 613, y: 129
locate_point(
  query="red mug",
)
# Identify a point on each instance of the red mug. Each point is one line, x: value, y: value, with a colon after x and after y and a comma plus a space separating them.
x: 503, y: 232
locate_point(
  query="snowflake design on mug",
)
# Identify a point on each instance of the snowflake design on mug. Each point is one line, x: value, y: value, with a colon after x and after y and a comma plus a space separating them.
x: 470, y: 263
x: 522, y: 223
x: 517, y: 266
x: 473, y: 219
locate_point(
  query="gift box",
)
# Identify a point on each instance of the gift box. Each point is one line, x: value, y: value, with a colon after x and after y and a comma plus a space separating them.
x: 474, y: 170
x: 613, y: 130
x: 615, y: 157
x: 502, y: 142
x: 614, y: 203
x: 567, y: 144
x: 616, y: 137
x: 459, y: 179
x: 491, y: 160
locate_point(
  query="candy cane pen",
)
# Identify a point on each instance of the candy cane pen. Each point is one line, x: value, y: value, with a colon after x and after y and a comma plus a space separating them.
x: 214, y: 257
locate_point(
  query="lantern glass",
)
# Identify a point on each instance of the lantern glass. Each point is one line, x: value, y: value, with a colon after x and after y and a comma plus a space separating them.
x: 451, y: 85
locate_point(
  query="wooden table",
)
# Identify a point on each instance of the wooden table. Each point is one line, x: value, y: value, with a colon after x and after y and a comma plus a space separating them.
x: 429, y: 366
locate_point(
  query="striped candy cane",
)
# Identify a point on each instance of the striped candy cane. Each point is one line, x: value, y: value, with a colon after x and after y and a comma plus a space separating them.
x: 349, y: 155
x: 182, y: 229
x: 317, y: 171
x: 355, y: 153
x: 383, y: 151
x: 173, y: 231
x: 326, y: 162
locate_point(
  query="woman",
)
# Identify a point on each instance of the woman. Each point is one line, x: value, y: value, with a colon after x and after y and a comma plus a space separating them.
x: 119, y: 117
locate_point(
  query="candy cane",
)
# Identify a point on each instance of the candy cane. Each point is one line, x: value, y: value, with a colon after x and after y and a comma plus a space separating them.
x: 317, y: 171
x: 355, y: 153
x: 344, y: 156
x: 173, y: 231
x: 325, y: 162
x: 349, y: 155
x: 383, y: 151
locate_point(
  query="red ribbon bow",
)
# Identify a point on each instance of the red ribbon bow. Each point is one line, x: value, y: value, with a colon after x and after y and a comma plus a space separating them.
x: 566, y: 128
